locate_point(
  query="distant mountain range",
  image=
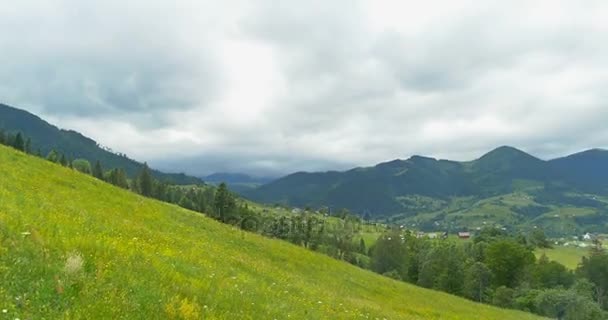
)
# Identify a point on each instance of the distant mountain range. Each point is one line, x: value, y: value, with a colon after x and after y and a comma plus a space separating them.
x: 237, y: 182
x: 72, y: 144
x: 230, y: 178
x: 409, y: 188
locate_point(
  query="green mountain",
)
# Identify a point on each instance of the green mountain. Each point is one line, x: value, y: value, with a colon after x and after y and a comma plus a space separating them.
x: 427, y: 191
x: 73, y: 247
x: 46, y: 137
x: 238, y: 182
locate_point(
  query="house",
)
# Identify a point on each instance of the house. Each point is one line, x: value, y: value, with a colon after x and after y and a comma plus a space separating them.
x: 464, y: 235
x: 587, y: 237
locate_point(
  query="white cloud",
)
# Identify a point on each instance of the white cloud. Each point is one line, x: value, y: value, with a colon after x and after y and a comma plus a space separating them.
x: 273, y: 87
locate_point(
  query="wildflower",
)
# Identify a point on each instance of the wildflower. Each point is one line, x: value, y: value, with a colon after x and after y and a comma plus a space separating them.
x: 4, y: 311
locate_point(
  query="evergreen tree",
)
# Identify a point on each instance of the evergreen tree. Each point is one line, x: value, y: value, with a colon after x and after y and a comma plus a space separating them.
x: 2, y: 137
x: 145, y: 181
x: 28, y: 145
x: 98, y: 171
x: 63, y: 160
x: 118, y: 177
x: 19, y: 143
x: 224, y: 202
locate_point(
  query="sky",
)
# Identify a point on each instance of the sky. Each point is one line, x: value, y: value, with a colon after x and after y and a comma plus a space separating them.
x: 272, y: 87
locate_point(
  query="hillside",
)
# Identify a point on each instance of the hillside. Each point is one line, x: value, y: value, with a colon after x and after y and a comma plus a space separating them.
x: 74, y: 247
x: 429, y: 192
x: 46, y: 137
x: 238, y: 182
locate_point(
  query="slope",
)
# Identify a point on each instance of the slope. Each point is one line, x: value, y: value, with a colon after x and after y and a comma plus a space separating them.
x: 588, y: 170
x: 385, y: 189
x: 46, y: 137
x: 74, y: 247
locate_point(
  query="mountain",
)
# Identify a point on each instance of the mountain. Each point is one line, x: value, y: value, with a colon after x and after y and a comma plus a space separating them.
x: 495, y: 171
x: 74, y: 247
x: 237, y: 182
x: 46, y: 137
x: 427, y: 191
x: 586, y: 170
x: 227, y: 177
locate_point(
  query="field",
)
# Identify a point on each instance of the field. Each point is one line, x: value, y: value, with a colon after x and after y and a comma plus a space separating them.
x: 74, y: 247
x: 568, y: 256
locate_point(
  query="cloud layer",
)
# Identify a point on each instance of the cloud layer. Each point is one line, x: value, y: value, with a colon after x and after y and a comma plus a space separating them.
x: 273, y: 87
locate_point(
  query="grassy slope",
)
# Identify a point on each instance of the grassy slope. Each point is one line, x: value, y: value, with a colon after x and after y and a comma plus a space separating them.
x: 568, y: 256
x: 146, y: 259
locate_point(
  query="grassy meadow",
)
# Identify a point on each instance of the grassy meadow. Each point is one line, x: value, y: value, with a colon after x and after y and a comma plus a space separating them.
x: 568, y: 256
x: 73, y: 247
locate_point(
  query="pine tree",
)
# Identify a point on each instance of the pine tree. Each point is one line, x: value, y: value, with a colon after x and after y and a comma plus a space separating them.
x: 63, y: 160
x: 144, y: 181
x: 28, y: 145
x: 224, y: 202
x: 19, y: 144
x: 2, y: 137
x: 98, y: 171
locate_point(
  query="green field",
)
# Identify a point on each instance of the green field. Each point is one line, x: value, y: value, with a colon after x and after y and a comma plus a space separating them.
x: 75, y: 247
x: 568, y: 256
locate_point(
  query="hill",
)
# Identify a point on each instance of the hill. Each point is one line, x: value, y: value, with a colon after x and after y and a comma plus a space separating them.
x: 74, y: 247
x: 449, y: 194
x: 238, y: 182
x: 46, y: 137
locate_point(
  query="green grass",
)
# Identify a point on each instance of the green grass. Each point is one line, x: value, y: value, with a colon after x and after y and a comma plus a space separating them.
x: 72, y: 247
x: 568, y: 256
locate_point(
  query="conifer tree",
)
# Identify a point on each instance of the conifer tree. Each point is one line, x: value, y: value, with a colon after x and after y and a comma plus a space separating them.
x: 63, y: 160
x: 19, y: 144
x: 144, y: 181
x: 224, y: 202
x: 28, y: 145
x: 98, y: 171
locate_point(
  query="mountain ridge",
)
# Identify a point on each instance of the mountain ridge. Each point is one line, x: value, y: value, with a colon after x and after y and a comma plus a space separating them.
x: 46, y: 137
x: 379, y: 187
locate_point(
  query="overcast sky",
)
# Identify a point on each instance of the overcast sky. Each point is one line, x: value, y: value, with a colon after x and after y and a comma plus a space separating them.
x: 271, y: 87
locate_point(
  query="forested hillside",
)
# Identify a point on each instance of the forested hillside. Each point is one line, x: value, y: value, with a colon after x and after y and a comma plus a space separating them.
x: 505, y: 187
x: 46, y: 137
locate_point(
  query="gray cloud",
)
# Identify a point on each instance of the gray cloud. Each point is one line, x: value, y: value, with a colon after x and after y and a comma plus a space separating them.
x: 275, y: 87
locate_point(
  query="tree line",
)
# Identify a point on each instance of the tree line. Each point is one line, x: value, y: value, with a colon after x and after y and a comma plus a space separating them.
x: 499, y: 269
